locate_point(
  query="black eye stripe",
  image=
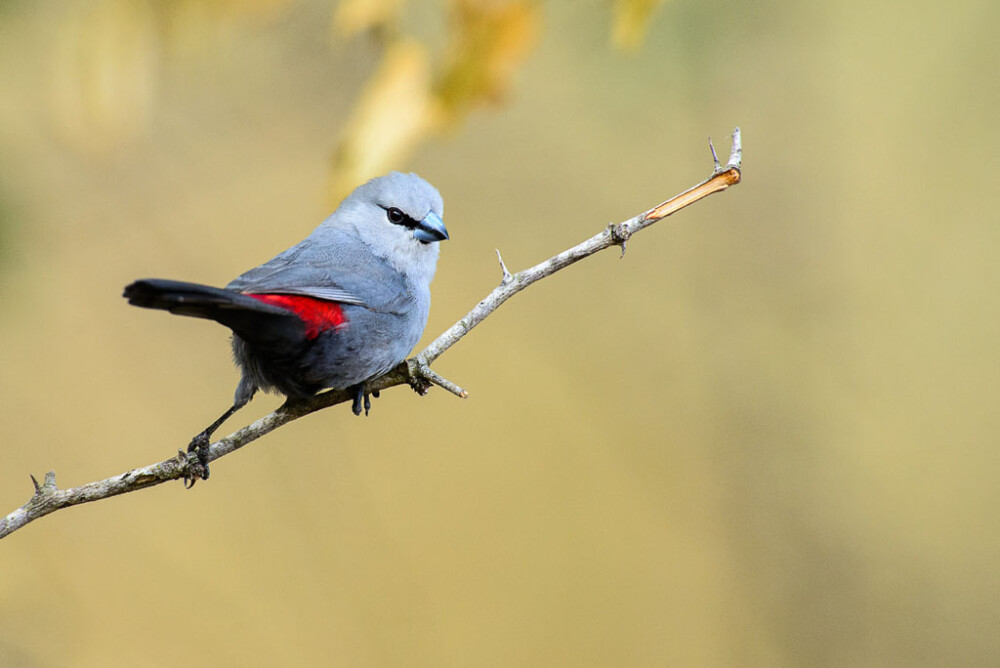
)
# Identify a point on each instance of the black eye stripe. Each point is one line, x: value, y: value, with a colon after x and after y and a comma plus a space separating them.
x: 397, y: 217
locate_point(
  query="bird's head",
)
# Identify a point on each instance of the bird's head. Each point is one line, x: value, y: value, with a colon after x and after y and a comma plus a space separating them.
x: 399, y: 216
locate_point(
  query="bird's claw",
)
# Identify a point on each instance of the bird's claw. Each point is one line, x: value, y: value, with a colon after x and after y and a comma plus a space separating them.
x: 362, y: 400
x: 197, y: 465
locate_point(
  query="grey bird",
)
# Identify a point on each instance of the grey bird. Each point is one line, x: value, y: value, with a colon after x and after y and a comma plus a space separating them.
x: 341, y: 307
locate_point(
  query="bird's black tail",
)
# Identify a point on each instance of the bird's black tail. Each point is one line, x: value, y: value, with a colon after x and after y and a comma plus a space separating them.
x: 250, y: 318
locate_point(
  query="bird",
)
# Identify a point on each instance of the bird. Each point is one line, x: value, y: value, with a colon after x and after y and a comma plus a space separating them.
x: 341, y: 307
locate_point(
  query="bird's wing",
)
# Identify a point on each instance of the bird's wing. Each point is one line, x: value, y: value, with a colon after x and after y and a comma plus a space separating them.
x: 295, y: 272
x: 325, y: 293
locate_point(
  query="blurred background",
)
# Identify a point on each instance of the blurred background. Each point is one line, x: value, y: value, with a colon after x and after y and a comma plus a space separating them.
x: 766, y: 437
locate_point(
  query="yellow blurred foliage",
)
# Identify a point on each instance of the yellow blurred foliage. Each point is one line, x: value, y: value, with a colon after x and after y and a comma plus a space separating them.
x: 406, y: 102
x: 355, y: 16
x: 632, y: 19
x: 489, y: 39
x: 395, y: 111
x: 108, y: 56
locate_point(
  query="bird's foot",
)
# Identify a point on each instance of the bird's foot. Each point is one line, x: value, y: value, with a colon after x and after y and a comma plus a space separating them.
x: 197, y: 467
x: 362, y: 399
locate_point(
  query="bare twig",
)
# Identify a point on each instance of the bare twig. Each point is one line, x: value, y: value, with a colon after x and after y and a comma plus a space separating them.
x: 415, y: 372
x: 614, y: 235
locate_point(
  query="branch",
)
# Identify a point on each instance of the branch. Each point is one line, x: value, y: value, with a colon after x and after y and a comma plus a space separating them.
x: 415, y: 372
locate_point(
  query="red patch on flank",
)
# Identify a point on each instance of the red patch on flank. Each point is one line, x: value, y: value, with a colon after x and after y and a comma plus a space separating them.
x: 318, y: 315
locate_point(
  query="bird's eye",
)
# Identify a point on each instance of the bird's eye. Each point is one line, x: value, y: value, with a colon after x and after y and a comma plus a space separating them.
x: 395, y: 215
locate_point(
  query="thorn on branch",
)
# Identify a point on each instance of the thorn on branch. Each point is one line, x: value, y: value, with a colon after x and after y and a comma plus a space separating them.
x: 47, y: 487
x: 507, y: 278
x: 43, y: 491
x: 715, y: 157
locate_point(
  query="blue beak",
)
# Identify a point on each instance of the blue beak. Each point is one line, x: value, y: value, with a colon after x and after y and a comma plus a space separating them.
x: 430, y: 229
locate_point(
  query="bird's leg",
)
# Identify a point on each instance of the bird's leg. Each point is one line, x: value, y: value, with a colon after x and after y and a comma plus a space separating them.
x: 368, y: 401
x: 359, y: 395
x: 199, y: 445
x: 362, y: 399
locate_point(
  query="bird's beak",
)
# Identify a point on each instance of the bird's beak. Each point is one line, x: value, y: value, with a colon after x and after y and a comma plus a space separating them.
x: 431, y: 228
